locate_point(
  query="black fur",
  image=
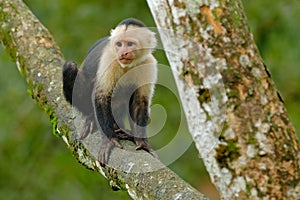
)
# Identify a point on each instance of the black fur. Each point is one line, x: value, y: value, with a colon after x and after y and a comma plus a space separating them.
x: 133, y: 22
x: 78, y: 84
x: 104, y: 114
x: 138, y: 110
x: 70, y: 71
x: 78, y: 89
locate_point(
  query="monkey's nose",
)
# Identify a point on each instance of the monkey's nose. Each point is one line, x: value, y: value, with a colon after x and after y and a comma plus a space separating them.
x: 125, y: 53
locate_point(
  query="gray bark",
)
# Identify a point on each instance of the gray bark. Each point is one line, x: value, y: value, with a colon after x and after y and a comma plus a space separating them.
x: 234, y: 113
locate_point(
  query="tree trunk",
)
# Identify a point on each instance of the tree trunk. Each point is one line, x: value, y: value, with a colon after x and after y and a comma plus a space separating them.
x: 234, y: 113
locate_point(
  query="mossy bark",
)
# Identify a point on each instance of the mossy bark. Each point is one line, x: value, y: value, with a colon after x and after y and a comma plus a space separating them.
x: 234, y: 112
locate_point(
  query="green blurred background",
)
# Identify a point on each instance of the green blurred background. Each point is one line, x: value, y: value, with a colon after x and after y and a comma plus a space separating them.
x: 37, y: 165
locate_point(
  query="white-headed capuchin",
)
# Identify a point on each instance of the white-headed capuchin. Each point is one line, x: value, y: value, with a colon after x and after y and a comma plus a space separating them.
x: 101, y: 93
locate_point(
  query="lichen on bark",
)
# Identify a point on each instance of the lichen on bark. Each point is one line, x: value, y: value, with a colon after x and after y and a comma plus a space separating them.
x: 256, y: 135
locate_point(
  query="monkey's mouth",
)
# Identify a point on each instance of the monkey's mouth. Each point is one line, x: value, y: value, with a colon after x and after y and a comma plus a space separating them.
x: 125, y: 60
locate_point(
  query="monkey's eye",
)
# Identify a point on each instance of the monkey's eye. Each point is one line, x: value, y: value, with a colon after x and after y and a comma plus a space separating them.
x: 130, y: 44
x: 119, y: 44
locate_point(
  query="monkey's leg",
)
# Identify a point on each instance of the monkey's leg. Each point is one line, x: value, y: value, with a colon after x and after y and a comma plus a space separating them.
x: 70, y: 71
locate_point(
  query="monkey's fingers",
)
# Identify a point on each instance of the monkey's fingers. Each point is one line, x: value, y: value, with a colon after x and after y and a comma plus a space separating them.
x: 124, y: 135
x: 104, y: 153
x: 88, y: 128
x: 152, y: 152
x: 115, y: 141
x: 84, y: 132
x: 145, y: 146
x: 118, y: 131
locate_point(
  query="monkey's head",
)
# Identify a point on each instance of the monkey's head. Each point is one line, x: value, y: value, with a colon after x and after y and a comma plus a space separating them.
x: 132, y: 42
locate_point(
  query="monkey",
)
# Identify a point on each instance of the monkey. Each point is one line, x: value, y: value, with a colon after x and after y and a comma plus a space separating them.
x: 100, y: 92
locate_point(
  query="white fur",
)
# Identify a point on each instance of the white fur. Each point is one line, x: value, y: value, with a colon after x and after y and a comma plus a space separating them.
x: 110, y: 70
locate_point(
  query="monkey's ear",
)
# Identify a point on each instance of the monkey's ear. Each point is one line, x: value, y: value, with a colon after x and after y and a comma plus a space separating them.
x: 152, y: 40
x: 146, y: 37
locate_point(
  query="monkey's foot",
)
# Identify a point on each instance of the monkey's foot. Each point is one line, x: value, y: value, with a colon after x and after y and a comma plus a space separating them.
x: 124, y: 135
x: 142, y: 144
x: 87, y: 129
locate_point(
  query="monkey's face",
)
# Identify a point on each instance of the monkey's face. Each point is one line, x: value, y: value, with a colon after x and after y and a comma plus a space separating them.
x: 132, y: 44
x: 126, y: 50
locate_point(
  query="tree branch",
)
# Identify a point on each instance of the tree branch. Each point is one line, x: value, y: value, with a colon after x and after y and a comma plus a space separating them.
x: 39, y: 60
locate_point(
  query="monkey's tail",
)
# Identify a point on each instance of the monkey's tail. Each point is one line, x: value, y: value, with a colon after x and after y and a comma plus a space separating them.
x: 70, y: 72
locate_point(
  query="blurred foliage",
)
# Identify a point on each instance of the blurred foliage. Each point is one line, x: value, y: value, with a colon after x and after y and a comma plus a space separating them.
x: 36, y: 165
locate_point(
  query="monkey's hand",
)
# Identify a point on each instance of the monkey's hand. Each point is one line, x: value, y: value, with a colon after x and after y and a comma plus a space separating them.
x: 105, y: 149
x: 104, y: 152
x: 143, y: 144
x: 89, y: 127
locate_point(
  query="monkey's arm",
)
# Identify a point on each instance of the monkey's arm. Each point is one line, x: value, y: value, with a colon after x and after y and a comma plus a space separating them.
x: 139, y: 115
x: 106, y: 125
x: 139, y: 111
